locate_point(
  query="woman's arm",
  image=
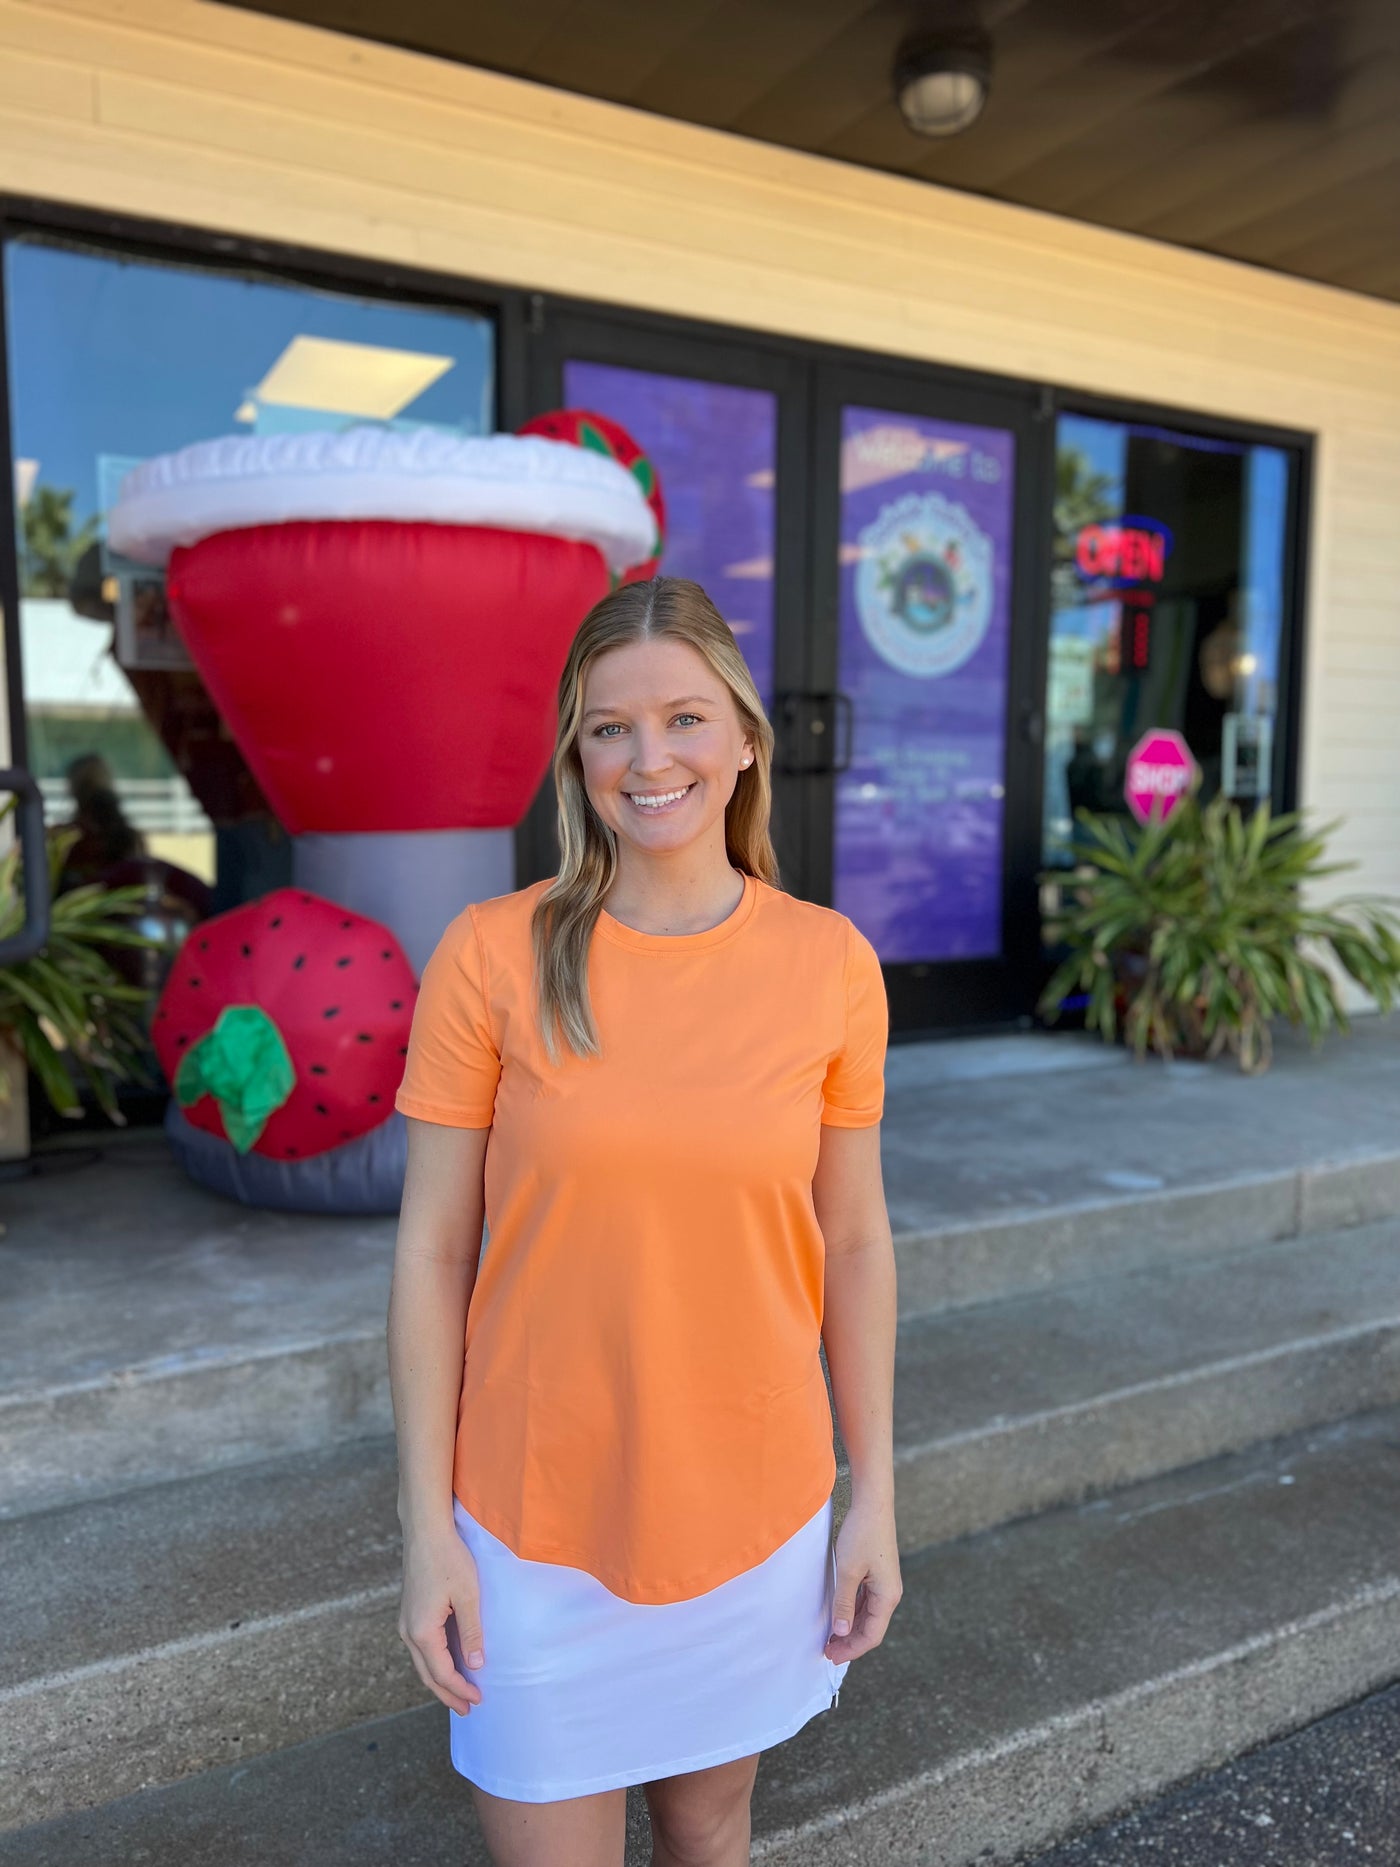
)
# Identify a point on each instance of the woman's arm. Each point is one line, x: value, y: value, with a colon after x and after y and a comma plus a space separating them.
x: 858, y: 1329
x: 435, y: 1261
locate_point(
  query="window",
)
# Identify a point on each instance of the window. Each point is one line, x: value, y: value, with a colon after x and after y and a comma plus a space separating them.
x: 113, y: 360
x: 1168, y: 610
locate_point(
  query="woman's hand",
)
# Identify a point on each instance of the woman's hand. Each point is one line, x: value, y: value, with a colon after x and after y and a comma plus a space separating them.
x: 439, y: 1579
x: 868, y: 1585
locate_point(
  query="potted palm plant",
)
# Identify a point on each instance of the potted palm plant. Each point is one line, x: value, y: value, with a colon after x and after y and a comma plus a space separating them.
x: 1192, y: 935
x: 66, y: 1014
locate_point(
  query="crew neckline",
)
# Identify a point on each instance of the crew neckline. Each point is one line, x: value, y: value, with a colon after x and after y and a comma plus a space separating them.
x: 623, y: 935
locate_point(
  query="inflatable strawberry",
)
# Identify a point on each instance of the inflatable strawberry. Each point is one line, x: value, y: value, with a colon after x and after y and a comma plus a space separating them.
x: 601, y: 435
x: 284, y: 1025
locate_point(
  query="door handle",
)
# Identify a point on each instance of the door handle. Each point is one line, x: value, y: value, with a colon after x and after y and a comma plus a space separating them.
x: 844, y: 715
x: 816, y: 733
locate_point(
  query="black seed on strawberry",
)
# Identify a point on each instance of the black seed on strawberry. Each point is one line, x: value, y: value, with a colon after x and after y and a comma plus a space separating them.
x: 298, y: 962
x: 319, y: 1069
x: 374, y: 1098
x: 331, y: 1011
x: 246, y: 950
x: 387, y: 953
x: 196, y: 981
x: 347, y: 961
x: 363, y: 1037
x: 347, y: 924
x: 396, y: 1004
x: 321, y: 1109
x: 276, y: 921
x: 403, y: 1050
x: 204, y: 946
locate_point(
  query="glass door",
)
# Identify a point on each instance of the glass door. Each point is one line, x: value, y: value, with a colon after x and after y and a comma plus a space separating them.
x: 867, y: 534
x: 722, y: 425
x: 923, y: 644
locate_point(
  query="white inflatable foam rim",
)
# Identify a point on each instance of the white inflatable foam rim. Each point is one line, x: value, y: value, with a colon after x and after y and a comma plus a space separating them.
x: 517, y: 482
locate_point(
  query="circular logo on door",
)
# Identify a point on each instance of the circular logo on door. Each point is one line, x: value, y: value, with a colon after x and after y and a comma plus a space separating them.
x: 924, y: 584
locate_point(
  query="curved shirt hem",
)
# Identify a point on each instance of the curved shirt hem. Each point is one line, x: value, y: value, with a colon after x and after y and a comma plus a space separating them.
x: 629, y: 1587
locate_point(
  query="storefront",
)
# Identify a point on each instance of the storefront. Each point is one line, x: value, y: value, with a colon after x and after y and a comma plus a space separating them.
x: 963, y: 597
x: 986, y: 495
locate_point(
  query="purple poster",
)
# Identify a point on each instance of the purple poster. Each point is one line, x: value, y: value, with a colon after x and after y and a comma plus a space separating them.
x: 926, y: 517
x: 714, y: 447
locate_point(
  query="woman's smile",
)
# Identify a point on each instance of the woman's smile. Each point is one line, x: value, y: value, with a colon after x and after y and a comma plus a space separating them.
x: 658, y: 803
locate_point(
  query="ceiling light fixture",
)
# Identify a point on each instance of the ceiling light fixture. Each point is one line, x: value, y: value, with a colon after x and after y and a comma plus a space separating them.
x: 942, y: 86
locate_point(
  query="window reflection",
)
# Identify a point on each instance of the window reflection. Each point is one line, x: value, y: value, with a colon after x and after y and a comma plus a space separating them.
x: 714, y: 446
x: 1168, y: 609
x: 112, y: 361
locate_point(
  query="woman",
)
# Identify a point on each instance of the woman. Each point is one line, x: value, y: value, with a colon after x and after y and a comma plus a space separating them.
x: 660, y: 1078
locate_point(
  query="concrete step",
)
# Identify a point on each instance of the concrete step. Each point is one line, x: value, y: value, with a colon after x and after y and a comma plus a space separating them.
x: 948, y: 1263
x: 1012, y: 1164
x: 1320, y: 1797
x: 1038, y: 1679
x: 184, y: 1625
x: 1001, y: 1411
x: 1018, y: 1406
x: 152, y: 1331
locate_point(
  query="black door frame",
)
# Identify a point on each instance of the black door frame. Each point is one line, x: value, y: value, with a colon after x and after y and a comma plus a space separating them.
x: 811, y: 383
x: 969, y: 993
x: 557, y: 333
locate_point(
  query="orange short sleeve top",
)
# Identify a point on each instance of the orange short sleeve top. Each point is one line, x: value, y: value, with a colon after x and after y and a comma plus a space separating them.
x: 642, y: 1394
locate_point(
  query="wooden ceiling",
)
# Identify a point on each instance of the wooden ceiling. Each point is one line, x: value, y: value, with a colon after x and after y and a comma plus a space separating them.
x: 1264, y: 130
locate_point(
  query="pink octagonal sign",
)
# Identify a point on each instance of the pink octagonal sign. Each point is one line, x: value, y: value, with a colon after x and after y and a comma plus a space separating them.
x: 1160, y: 772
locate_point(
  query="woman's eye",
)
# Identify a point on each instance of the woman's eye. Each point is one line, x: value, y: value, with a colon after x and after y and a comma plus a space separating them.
x: 689, y: 716
x: 606, y: 731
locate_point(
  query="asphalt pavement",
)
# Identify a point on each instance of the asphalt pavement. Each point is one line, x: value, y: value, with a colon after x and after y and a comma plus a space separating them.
x: 1328, y: 1796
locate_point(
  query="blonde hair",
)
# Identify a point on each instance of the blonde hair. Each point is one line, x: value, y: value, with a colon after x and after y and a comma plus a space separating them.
x: 669, y: 609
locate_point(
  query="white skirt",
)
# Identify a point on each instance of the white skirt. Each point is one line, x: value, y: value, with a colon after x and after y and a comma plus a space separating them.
x: 583, y: 1691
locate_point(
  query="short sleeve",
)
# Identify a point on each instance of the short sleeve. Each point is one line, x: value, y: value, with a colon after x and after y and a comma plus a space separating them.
x: 853, y: 1094
x: 453, y: 1063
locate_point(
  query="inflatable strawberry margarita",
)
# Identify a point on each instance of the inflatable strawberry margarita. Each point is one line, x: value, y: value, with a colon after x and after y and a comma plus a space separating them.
x: 381, y: 619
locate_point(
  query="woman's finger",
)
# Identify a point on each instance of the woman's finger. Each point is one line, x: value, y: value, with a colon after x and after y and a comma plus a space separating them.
x: 842, y: 1606
x: 876, y: 1601
x: 432, y: 1661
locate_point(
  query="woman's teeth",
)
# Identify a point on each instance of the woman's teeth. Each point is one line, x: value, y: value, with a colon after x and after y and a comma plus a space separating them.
x: 657, y: 800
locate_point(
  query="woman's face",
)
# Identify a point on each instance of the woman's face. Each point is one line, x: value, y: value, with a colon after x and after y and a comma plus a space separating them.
x: 659, y: 724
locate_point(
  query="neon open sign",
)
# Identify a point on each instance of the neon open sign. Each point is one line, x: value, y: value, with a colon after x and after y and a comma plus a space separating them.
x: 1123, y: 551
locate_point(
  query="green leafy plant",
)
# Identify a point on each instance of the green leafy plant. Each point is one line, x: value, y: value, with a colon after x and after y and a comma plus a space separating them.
x: 67, y: 1001
x: 1193, y: 933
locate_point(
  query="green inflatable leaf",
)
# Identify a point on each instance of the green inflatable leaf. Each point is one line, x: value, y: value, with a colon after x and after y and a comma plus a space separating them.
x: 644, y: 475
x: 244, y: 1064
x: 589, y: 436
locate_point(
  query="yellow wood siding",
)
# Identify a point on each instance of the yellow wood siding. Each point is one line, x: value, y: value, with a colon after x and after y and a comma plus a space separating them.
x: 204, y: 114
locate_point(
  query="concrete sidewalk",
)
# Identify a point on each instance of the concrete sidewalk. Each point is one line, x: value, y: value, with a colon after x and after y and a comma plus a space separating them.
x: 126, y: 1265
